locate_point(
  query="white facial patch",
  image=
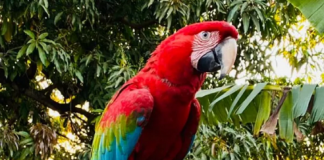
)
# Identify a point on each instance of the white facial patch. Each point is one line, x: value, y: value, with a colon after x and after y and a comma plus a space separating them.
x: 202, y: 44
x: 229, y: 50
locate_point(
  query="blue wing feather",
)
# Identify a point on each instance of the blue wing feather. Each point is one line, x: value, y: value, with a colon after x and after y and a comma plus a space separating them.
x: 119, y: 151
x: 191, y: 143
x: 115, y: 139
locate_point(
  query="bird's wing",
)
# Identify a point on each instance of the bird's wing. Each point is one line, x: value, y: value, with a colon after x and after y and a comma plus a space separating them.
x: 122, y: 123
x: 190, y: 129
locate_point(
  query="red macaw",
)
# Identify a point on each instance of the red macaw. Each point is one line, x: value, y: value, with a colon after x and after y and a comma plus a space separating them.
x: 154, y: 115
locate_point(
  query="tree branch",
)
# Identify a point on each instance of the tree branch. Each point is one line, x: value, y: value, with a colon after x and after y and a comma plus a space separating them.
x: 64, y: 136
x: 138, y: 26
x: 49, y: 89
x: 48, y: 102
x: 269, y: 126
x: 80, y: 118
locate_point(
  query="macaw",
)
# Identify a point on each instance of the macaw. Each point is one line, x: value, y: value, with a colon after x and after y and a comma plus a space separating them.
x: 154, y: 115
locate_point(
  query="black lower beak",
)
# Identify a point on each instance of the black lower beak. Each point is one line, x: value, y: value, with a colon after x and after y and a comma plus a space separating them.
x: 211, y: 61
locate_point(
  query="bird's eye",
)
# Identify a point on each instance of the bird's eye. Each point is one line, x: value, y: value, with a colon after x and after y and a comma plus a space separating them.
x: 204, y: 35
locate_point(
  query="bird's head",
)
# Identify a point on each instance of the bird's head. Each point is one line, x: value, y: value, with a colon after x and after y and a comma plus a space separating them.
x: 204, y: 47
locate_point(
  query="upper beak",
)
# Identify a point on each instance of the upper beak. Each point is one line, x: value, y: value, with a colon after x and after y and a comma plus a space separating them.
x: 222, y: 57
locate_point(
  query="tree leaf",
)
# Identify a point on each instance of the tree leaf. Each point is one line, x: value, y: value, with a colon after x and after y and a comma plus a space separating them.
x: 220, y: 110
x: 26, y: 140
x: 232, y: 13
x: 22, y: 51
x: 24, y: 154
x: 270, y: 126
x: 89, y: 58
x: 23, y: 133
x: 46, y: 3
x: 119, y: 80
x: 39, y: 66
x: 313, y: 11
x: 79, y: 75
x: 97, y: 110
x: 243, y: 7
x: 44, y: 46
x: 31, y: 41
x: 6, y: 72
x: 237, y: 98
x: 46, y: 10
x: 263, y: 112
x: 98, y: 71
x: 13, y: 75
x: 318, y: 109
x: 57, y: 65
x: 203, y: 93
x: 236, y: 148
x: 249, y: 115
x: 4, y: 27
x: 226, y: 94
x: 252, y: 95
x: 162, y: 14
x: 2, y: 43
x: 204, y: 103
x: 116, y: 74
x: 246, y: 22
x: 169, y: 12
x: 259, y: 13
x: 256, y: 23
x: 42, y: 55
x: 304, y: 97
x: 188, y: 13
x: 57, y: 17
x: 295, y: 93
x: 48, y: 41
x: 8, y: 35
x: 43, y: 35
x: 105, y: 67
x: 236, y: 3
x: 169, y: 21
x: 30, y: 34
x: 40, y: 12
x: 150, y: 3
x: 31, y: 48
x: 286, y: 130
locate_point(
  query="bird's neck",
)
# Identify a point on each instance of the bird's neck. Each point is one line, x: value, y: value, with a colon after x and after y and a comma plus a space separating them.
x: 176, y: 76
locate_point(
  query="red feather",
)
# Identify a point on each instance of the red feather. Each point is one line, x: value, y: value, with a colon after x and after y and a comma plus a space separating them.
x: 173, y: 83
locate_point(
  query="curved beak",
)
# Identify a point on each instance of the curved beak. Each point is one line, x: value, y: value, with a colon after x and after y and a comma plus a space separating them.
x: 222, y: 58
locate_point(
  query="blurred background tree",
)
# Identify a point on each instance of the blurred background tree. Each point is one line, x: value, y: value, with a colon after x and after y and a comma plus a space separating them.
x: 62, y: 60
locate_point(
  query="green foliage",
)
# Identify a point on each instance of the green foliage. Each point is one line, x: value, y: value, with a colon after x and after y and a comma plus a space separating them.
x: 318, y: 111
x: 62, y: 54
x: 286, y: 121
x: 45, y: 139
x: 9, y: 141
x: 251, y: 96
x: 38, y: 143
x: 263, y: 112
x: 302, y: 98
x: 291, y: 108
x: 312, y: 11
x: 224, y: 141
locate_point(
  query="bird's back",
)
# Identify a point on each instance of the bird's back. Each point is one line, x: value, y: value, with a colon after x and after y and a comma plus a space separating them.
x: 162, y: 136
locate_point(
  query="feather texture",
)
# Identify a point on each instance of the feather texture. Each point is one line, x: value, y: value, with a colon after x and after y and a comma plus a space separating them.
x: 121, y: 125
x: 155, y: 115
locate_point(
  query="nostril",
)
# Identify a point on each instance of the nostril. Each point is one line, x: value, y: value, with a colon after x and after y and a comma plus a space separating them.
x: 215, y: 50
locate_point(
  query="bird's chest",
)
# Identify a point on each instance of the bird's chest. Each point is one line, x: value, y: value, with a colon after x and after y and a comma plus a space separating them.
x: 171, y: 110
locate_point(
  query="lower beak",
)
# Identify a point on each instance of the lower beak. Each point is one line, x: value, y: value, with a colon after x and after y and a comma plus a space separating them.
x: 222, y: 57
